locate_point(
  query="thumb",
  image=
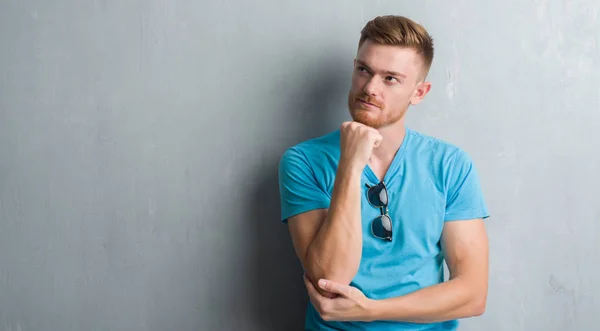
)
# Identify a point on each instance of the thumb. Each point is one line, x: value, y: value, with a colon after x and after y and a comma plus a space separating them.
x: 377, y: 140
x: 334, y: 287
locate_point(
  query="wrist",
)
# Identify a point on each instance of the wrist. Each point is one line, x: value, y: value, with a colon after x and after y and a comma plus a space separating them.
x: 350, y: 168
x: 371, y: 310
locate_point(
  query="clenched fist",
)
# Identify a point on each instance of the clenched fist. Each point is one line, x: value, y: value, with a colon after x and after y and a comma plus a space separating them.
x: 357, y: 142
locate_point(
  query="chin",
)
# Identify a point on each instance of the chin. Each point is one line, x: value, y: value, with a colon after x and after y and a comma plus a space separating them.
x: 367, y: 118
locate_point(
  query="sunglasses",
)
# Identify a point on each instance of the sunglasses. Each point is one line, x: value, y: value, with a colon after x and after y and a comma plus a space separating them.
x: 381, y: 227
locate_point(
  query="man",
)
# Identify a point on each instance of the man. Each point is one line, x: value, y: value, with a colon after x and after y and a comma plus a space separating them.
x: 374, y: 208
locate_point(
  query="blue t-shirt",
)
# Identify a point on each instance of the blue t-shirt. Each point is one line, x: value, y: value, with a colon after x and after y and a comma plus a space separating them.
x: 429, y: 182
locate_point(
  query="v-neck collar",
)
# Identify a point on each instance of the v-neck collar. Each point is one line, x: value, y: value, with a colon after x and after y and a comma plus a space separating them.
x: 396, y: 161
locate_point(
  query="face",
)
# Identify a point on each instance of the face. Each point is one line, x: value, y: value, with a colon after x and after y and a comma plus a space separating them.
x: 385, y: 81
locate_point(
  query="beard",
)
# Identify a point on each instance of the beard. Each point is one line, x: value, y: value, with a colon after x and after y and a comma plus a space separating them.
x: 375, y: 118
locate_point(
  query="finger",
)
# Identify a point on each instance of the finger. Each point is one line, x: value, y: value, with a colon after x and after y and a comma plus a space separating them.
x: 310, y: 288
x: 372, y: 129
x: 315, y: 303
x: 313, y: 295
x: 328, y: 295
x: 377, y: 141
x: 377, y: 138
x: 334, y: 287
x: 322, y: 293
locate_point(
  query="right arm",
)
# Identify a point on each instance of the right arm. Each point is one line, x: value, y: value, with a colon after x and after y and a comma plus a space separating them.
x: 329, y: 242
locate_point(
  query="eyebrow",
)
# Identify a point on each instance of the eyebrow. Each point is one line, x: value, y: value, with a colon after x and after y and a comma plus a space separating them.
x: 387, y: 72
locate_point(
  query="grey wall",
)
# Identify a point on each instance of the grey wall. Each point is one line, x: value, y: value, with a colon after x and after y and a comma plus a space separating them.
x: 139, y: 142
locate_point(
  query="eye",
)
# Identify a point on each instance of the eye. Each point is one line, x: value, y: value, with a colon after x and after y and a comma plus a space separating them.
x: 392, y: 79
x: 361, y: 69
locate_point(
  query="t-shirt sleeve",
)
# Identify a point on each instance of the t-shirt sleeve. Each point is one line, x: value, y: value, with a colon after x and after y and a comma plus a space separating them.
x: 464, y: 199
x: 298, y: 188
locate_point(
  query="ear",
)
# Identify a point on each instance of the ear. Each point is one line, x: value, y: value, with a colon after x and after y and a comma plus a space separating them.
x: 420, y: 92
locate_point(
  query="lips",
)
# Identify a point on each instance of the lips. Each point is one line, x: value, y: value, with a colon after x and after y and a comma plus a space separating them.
x: 367, y: 104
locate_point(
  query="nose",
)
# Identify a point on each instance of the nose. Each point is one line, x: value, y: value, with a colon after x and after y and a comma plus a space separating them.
x: 372, y: 87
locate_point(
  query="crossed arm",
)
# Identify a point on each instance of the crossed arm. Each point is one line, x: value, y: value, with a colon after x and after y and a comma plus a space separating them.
x: 465, y: 247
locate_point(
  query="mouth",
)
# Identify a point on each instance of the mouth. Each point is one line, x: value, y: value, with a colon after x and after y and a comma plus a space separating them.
x: 367, y: 105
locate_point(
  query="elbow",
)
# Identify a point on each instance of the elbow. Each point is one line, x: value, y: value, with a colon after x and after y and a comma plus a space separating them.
x: 341, y: 276
x: 478, y: 306
x: 476, y: 299
x: 318, y: 269
x: 478, y: 310
x: 336, y: 276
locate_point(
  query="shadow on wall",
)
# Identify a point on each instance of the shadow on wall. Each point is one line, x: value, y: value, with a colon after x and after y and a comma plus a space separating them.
x: 278, y: 281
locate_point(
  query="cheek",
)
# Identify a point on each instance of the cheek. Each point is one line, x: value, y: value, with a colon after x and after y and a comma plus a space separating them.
x: 402, y: 96
x: 395, y: 99
x: 358, y: 83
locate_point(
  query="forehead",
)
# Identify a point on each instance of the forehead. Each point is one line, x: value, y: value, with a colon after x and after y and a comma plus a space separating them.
x: 381, y: 58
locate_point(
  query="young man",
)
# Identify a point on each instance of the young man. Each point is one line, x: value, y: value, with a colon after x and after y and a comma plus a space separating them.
x: 374, y: 208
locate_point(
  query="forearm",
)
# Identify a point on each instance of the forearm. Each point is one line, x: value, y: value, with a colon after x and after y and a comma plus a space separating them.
x: 457, y: 298
x: 336, y: 250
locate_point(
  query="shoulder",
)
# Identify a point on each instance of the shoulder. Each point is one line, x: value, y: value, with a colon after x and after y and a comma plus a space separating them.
x: 313, y: 149
x: 438, y: 152
x: 434, y: 144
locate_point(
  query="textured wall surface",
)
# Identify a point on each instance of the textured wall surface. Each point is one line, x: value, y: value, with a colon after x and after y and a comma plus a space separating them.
x: 139, y: 142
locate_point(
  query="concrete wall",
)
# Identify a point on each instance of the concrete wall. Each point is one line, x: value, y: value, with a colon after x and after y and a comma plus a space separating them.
x: 139, y: 142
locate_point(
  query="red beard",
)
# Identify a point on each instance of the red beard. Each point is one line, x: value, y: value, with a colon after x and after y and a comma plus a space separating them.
x: 374, y: 117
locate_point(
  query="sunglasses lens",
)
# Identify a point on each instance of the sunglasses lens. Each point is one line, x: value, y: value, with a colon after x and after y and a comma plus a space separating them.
x: 378, y: 196
x: 382, y: 227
